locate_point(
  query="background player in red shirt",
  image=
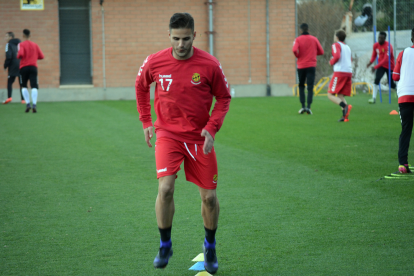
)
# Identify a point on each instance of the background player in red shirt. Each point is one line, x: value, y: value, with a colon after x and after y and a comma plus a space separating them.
x: 403, y: 73
x: 29, y: 53
x: 341, y: 82
x: 380, y: 49
x: 186, y: 79
x: 306, y: 47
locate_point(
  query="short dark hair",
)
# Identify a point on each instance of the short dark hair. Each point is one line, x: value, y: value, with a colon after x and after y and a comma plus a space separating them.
x: 412, y: 33
x: 10, y: 34
x: 26, y: 32
x: 182, y: 21
x: 383, y: 33
x: 304, y: 27
x: 341, y: 35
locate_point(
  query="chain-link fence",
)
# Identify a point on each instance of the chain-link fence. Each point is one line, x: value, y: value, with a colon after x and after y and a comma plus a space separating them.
x: 358, y: 18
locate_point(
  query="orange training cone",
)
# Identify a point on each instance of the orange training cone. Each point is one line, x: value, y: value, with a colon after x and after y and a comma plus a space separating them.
x: 394, y: 112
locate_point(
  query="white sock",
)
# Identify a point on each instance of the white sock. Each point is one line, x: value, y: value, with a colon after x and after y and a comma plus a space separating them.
x: 34, y: 95
x: 374, y: 91
x: 26, y: 96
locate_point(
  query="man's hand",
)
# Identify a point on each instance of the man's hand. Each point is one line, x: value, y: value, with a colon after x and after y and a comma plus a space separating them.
x: 148, y: 135
x: 369, y: 64
x: 373, y: 70
x: 208, y: 142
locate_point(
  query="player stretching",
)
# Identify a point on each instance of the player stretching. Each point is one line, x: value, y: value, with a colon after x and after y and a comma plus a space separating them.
x: 306, y: 47
x: 381, y: 49
x: 186, y: 79
x: 29, y: 53
x: 341, y: 82
x: 404, y: 74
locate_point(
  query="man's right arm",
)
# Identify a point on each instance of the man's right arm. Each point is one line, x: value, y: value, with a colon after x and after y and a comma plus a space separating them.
x: 336, y: 54
x: 142, y: 92
x: 8, y: 56
x: 373, y: 56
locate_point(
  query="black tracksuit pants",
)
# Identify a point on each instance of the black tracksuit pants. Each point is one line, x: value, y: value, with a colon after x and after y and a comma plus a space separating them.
x: 379, y: 73
x: 10, y: 82
x: 406, y: 115
x: 308, y: 75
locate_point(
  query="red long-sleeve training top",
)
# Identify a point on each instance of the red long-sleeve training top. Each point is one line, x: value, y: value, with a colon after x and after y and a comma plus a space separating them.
x: 306, y: 47
x: 184, y: 94
x: 382, y: 52
x: 28, y: 53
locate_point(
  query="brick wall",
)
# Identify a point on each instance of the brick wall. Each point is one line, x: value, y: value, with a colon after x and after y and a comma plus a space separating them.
x: 44, y: 31
x: 136, y: 28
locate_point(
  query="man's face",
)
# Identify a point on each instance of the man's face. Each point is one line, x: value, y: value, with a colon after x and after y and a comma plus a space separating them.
x: 182, y: 42
x: 381, y: 39
x: 7, y: 37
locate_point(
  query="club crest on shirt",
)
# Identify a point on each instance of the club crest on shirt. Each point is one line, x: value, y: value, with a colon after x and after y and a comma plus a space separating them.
x: 215, y: 177
x: 196, y: 78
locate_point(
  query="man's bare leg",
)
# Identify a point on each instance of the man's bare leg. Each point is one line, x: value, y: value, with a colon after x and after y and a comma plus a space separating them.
x: 210, y: 210
x: 164, y: 210
x: 342, y: 98
x: 164, y: 204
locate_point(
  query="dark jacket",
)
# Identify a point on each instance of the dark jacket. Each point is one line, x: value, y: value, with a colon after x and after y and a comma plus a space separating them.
x: 11, y: 57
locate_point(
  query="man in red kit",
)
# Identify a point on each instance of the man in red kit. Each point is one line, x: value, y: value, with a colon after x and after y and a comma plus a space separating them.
x: 380, y: 49
x: 28, y: 53
x: 306, y: 47
x: 187, y: 79
x: 404, y: 74
x: 341, y: 82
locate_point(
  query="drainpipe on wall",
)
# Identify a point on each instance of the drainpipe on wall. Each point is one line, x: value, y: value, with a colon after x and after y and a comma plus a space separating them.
x: 249, y: 48
x: 374, y: 16
x: 268, y: 90
x: 395, y: 28
x: 296, y: 35
x: 103, y: 44
x: 210, y: 28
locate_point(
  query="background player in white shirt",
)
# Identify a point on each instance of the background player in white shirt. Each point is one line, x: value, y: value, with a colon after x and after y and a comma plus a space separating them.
x: 341, y: 82
x: 403, y: 72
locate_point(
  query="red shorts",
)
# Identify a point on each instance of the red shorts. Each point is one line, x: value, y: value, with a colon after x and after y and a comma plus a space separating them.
x: 199, y: 168
x: 340, y: 85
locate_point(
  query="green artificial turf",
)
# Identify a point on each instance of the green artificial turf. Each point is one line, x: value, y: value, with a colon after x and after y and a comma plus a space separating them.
x: 299, y: 194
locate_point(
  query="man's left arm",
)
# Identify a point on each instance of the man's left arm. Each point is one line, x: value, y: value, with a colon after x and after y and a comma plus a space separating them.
x: 383, y: 62
x: 319, y: 49
x: 221, y: 91
x: 39, y: 53
x: 397, y: 69
x: 20, y: 51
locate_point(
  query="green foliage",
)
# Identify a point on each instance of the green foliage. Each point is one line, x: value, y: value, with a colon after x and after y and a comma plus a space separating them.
x: 298, y: 193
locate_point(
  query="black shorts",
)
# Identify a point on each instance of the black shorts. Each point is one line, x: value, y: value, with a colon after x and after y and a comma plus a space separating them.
x: 29, y: 73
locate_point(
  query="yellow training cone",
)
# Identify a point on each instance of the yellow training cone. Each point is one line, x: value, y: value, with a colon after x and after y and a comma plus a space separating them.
x: 203, y: 273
